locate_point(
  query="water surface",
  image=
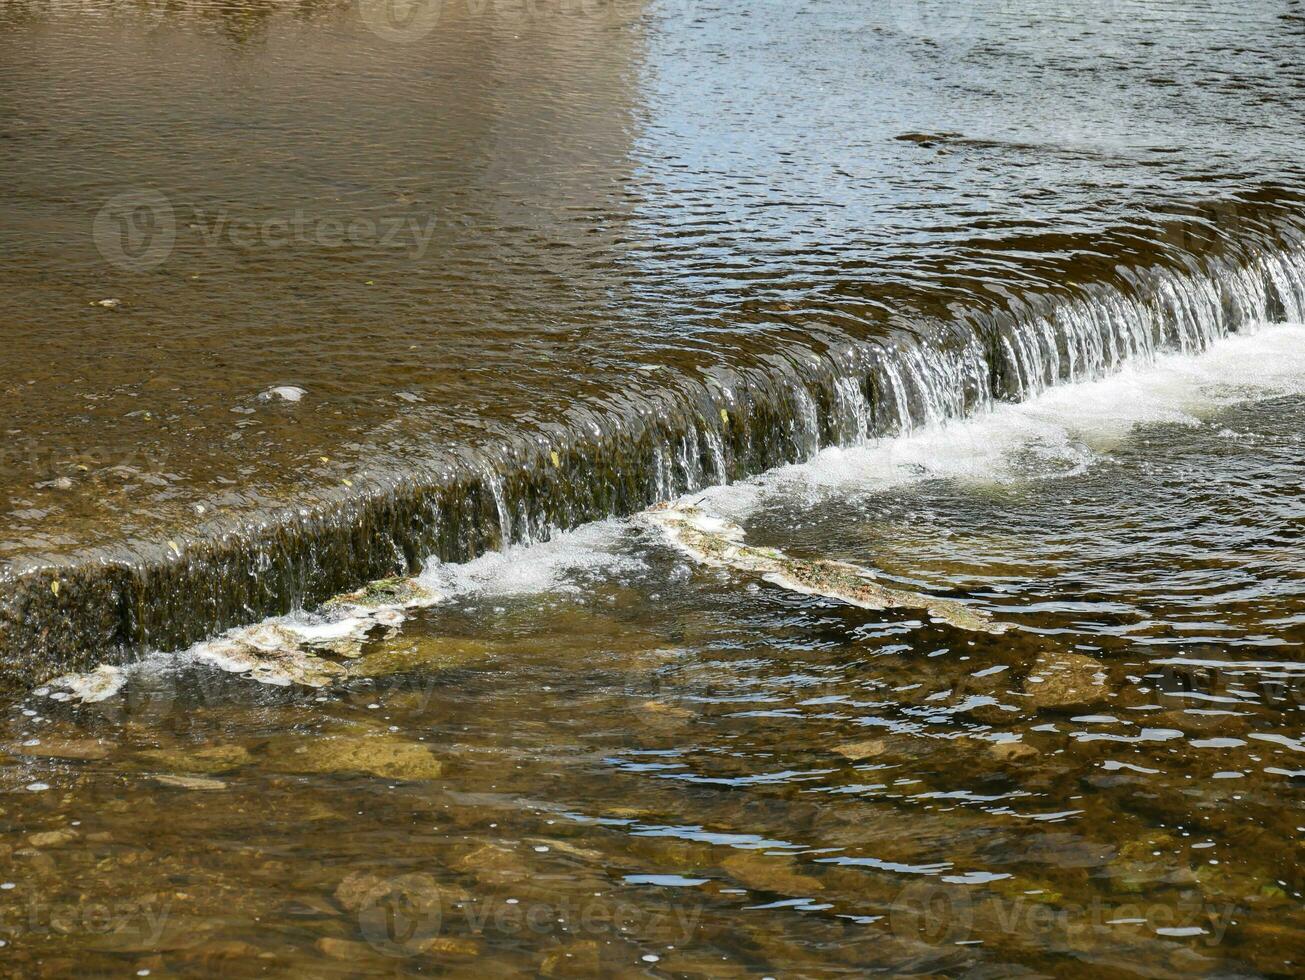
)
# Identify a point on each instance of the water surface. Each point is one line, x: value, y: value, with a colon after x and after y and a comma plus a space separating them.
x: 513, y: 213
x: 597, y: 758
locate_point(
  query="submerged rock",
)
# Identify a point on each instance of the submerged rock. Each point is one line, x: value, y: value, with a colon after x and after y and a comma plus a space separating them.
x: 345, y: 950
x: 53, y: 838
x: 867, y: 749
x: 66, y: 748
x: 425, y: 653
x: 356, y: 888
x: 769, y: 873
x: 578, y: 959
x: 719, y: 543
x: 493, y: 863
x: 1011, y: 751
x: 209, y: 759
x: 385, y: 757
x: 190, y: 782
x: 1065, y: 680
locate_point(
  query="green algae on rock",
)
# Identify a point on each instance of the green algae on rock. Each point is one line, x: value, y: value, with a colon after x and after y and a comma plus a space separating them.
x: 386, y: 593
x: 386, y: 757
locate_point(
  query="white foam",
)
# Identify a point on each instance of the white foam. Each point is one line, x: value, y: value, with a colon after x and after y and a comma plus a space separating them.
x: 1059, y: 432
x: 99, y: 684
x: 558, y: 565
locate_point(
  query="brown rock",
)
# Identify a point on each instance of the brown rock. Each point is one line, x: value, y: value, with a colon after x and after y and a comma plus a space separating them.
x: 769, y: 873
x: 345, y: 950
x: 450, y: 946
x: 53, y: 838
x: 575, y: 960
x: 214, y: 955
x: 353, y: 891
x: 1065, y: 680
x: 190, y: 782
x: 1011, y: 751
x: 866, y: 749
x: 210, y: 759
x: 666, y: 709
x: 493, y: 864
x: 385, y: 757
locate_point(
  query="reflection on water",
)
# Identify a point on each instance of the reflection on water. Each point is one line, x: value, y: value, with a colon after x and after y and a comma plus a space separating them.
x: 518, y: 208
x: 597, y: 759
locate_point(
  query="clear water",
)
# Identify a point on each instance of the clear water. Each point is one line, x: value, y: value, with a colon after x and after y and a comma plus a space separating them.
x: 597, y: 758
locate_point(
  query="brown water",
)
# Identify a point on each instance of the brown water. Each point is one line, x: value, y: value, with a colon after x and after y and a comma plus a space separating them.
x: 511, y: 212
x: 596, y: 758
x: 277, y: 277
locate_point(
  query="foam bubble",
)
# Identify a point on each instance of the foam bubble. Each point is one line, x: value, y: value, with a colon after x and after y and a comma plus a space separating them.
x: 1058, y: 433
x: 557, y: 565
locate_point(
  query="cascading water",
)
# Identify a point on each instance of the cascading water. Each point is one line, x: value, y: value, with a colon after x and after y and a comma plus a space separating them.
x: 629, y: 455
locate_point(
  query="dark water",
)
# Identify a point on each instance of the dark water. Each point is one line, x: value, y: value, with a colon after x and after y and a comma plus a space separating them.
x: 512, y: 211
x: 596, y: 758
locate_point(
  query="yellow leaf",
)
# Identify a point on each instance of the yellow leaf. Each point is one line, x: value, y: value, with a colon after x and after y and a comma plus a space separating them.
x: 557, y: 462
x: 725, y: 416
x: 54, y: 586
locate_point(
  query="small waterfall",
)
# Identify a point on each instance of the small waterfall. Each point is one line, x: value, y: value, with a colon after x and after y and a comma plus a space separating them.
x: 633, y: 450
x: 494, y: 484
x: 714, y: 448
x: 806, y: 419
x: 1086, y: 336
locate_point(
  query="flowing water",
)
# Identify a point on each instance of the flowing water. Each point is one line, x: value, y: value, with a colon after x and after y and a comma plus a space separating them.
x: 1001, y: 302
x: 289, y: 286
x: 597, y: 758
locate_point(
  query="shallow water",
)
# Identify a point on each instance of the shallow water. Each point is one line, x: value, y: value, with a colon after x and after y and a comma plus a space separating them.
x: 597, y: 758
